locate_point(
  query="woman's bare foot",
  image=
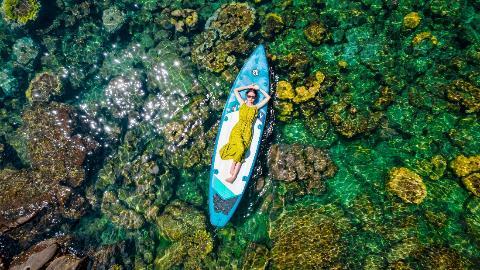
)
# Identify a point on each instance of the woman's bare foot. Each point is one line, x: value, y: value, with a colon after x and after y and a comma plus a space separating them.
x: 230, y: 179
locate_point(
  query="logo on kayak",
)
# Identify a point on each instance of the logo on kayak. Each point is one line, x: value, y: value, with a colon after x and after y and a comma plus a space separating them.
x: 255, y: 72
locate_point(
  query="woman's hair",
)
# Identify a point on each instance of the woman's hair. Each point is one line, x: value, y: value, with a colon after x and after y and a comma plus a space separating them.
x: 252, y: 91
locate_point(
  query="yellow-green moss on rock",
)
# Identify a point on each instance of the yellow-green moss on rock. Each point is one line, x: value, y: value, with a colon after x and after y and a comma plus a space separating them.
x: 463, y: 166
x: 20, y: 11
x: 411, y: 20
x: 472, y: 183
x: 309, y: 236
x: 407, y: 185
x: 315, y: 33
x: 285, y: 90
x: 43, y: 86
x: 272, y: 26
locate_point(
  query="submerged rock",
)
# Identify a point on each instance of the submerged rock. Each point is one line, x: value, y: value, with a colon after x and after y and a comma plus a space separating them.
x: 8, y: 82
x: 50, y: 254
x: 43, y: 87
x: 315, y: 33
x: 111, y: 257
x: 185, y: 228
x: 20, y: 11
x: 272, y: 25
x: 113, y: 19
x: 468, y: 168
x: 66, y: 262
x: 53, y: 148
x: 308, y: 235
x: 472, y: 218
x: 411, y: 20
x: 256, y: 257
x: 465, y: 94
x: 25, y: 51
x: 182, y: 20
x: 36, y: 257
x: 31, y: 195
x: 45, y: 193
x: 294, y: 162
x: 407, y: 185
x: 350, y: 121
x: 224, y: 37
x: 232, y: 19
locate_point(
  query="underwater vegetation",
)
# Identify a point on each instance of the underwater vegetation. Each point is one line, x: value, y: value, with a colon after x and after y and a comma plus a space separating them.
x: 109, y: 112
x: 20, y: 11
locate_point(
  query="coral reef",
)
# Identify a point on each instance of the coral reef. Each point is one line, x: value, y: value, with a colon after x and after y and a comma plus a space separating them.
x: 294, y: 162
x: 433, y: 168
x: 411, y: 20
x: 305, y: 93
x: 468, y: 168
x: 223, y: 39
x: 256, y: 257
x: 296, y: 65
x: 146, y: 186
x: 424, y: 36
x: 234, y: 19
x: 190, y: 135
x: 350, y: 121
x: 181, y: 20
x: 25, y: 51
x: 465, y: 94
x: 472, y: 218
x: 407, y: 185
x: 443, y: 258
x: 272, y: 25
x: 113, y: 19
x: 285, y: 90
x: 54, y: 149
x: 306, y: 97
x: 308, y: 235
x: 315, y: 33
x: 185, y: 228
x: 8, y: 83
x: 127, y: 218
x: 20, y: 11
x: 43, y: 86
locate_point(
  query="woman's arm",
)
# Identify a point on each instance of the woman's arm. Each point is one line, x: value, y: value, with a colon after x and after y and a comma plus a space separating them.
x: 265, y: 100
x: 237, y: 94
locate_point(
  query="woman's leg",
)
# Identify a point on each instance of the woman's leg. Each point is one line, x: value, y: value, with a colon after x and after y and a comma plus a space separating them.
x: 231, y: 179
x: 232, y: 168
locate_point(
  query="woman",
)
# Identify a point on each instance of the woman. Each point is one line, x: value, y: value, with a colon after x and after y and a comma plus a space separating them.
x: 241, y: 136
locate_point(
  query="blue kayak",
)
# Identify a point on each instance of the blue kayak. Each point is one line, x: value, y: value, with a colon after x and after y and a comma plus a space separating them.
x: 224, y: 197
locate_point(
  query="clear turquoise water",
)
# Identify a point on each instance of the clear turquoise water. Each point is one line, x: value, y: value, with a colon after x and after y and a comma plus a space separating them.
x: 147, y: 81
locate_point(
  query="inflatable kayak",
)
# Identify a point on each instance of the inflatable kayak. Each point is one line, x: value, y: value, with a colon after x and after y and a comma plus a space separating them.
x: 224, y: 197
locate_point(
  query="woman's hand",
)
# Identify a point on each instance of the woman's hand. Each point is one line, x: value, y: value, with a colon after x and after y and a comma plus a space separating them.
x: 254, y: 86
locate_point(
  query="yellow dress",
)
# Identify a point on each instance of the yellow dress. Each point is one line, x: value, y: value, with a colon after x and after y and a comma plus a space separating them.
x: 241, y: 136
